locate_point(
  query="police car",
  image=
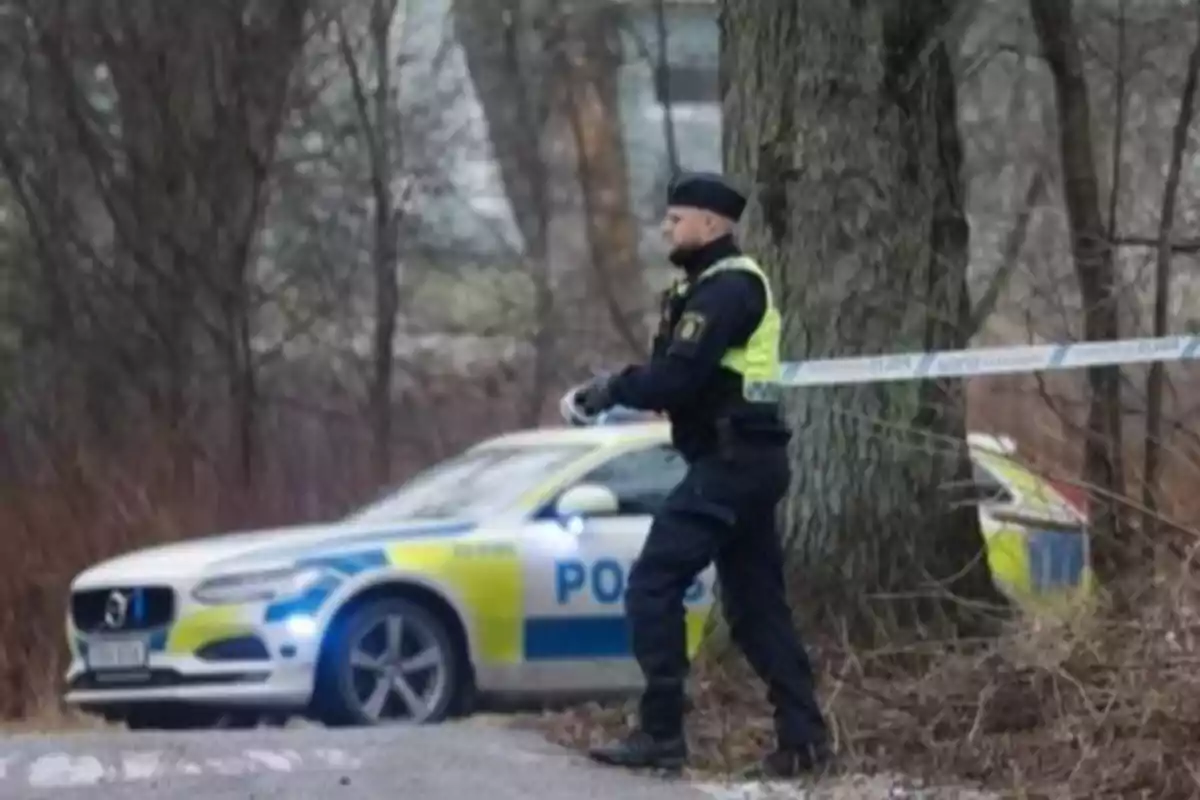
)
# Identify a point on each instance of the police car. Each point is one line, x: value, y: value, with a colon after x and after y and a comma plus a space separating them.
x: 500, y: 570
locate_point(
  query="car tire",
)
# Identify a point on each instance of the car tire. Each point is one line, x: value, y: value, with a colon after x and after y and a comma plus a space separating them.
x: 359, y: 659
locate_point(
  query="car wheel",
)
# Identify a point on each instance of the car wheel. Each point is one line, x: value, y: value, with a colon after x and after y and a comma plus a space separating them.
x: 388, y: 661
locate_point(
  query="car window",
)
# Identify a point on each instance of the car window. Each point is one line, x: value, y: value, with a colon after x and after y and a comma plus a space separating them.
x: 641, y: 479
x: 473, y: 484
x: 988, y: 487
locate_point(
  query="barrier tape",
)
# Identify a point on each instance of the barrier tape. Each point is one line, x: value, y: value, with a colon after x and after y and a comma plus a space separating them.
x: 953, y: 364
x: 988, y: 361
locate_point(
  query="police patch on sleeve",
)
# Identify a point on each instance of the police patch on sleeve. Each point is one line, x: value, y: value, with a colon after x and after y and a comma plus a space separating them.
x: 690, y: 327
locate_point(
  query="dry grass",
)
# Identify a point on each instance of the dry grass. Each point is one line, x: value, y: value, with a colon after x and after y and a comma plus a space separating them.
x: 1092, y: 705
x: 1089, y: 706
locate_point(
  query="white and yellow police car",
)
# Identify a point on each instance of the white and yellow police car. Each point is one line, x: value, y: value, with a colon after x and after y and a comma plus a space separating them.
x: 499, y: 571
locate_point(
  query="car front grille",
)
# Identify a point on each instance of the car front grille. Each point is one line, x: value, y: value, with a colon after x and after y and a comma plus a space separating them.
x: 122, y: 608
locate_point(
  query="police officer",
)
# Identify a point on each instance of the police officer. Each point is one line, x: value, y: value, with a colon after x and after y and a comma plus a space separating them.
x: 714, y: 371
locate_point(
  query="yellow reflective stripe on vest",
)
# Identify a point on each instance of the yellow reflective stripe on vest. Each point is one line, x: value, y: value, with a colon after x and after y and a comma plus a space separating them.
x: 758, y: 360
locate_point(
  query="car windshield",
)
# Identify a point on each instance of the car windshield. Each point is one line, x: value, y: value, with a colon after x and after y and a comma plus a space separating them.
x: 472, y: 485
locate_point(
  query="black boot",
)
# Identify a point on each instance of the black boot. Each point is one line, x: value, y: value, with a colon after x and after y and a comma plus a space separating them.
x: 640, y: 750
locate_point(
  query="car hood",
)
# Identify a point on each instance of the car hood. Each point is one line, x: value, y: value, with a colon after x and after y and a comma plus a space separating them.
x: 260, y: 549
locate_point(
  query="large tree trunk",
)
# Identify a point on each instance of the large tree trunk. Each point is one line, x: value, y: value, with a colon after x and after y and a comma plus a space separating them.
x: 841, y: 118
x: 511, y: 74
x: 591, y: 58
x: 546, y: 75
x: 1103, y: 463
x: 1156, y: 379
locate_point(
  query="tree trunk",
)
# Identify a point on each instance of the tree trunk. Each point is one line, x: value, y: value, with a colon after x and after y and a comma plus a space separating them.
x: 1093, y: 254
x: 1156, y: 379
x: 591, y: 56
x: 378, y: 125
x: 545, y: 72
x: 662, y: 82
x: 510, y: 74
x: 841, y: 120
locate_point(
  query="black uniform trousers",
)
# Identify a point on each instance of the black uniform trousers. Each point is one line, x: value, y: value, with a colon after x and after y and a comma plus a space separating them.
x: 723, y: 511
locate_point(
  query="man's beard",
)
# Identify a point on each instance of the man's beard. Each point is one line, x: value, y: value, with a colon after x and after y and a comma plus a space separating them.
x: 681, y: 255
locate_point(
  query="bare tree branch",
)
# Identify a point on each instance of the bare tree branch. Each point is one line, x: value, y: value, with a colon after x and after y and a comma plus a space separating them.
x: 1162, y: 283
x: 1182, y: 246
x: 1059, y: 37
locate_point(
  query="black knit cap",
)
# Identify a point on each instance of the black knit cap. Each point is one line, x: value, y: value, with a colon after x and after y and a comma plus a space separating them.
x: 708, y: 191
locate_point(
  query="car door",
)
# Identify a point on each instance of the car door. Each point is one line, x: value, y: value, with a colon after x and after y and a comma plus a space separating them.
x: 576, y: 633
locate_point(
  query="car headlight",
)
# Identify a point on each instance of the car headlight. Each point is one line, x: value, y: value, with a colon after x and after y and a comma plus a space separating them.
x: 257, y: 586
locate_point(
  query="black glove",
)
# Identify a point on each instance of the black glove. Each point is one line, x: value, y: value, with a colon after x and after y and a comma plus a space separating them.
x: 595, y: 396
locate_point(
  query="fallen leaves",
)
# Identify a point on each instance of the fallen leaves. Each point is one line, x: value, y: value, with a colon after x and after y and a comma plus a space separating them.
x: 1110, y: 708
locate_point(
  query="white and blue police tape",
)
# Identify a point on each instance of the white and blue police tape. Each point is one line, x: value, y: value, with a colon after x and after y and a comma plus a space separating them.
x: 950, y: 364
x: 988, y: 361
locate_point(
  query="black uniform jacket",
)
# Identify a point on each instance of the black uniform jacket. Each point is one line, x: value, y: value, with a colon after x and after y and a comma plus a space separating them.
x: 684, y: 377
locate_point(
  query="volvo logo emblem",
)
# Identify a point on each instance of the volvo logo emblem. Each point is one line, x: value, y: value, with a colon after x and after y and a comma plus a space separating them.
x: 116, y: 609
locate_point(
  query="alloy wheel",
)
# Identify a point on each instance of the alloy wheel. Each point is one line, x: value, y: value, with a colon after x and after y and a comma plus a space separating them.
x: 398, y: 669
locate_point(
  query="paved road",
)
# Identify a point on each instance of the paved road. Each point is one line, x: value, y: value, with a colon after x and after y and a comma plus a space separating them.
x: 457, y: 761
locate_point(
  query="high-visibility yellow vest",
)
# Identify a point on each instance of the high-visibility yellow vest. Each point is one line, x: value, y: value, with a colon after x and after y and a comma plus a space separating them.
x: 758, y: 360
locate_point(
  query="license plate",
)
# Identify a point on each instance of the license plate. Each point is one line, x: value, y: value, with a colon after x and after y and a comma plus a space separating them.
x: 118, y: 654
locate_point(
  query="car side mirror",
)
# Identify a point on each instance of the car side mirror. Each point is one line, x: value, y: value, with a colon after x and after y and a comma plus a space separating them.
x: 587, y: 500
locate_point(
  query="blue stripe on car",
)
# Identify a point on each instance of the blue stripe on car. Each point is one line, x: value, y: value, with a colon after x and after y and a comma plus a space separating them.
x: 548, y: 638
x: 347, y: 565
x: 1056, y: 559
x: 306, y: 604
